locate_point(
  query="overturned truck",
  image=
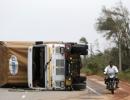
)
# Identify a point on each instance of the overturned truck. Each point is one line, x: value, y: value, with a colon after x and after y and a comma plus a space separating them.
x: 47, y: 65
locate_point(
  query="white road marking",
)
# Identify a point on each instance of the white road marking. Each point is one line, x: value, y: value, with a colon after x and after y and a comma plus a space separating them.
x: 23, y: 96
x: 93, y: 90
x: 97, y: 81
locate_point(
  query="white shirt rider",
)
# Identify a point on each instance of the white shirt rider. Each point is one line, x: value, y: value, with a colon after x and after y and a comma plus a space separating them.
x: 111, y: 69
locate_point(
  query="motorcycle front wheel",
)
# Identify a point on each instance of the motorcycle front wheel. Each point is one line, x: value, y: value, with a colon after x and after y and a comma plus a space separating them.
x: 112, y: 91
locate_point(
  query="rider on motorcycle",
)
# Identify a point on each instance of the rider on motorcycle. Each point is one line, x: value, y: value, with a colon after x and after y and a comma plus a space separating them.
x: 113, y: 70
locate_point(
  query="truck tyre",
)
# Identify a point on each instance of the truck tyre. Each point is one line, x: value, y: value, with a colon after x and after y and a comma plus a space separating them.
x: 79, y: 79
x: 68, y: 88
x: 82, y: 79
x: 79, y: 86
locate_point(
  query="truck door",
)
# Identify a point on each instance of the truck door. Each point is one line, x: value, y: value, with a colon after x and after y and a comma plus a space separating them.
x: 30, y: 83
x: 37, y: 66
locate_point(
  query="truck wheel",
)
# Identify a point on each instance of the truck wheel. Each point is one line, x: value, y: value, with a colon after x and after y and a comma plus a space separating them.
x: 69, y: 88
x: 112, y: 91
x: 79, y: 86
x: 79, y: 79
x: 82, y: 78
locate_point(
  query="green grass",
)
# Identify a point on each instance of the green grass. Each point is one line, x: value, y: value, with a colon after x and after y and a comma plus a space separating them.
x: 89, y: 70
x: 125, y: 76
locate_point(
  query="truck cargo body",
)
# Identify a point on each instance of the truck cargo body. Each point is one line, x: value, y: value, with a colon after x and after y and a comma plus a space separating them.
x: 13, y: 72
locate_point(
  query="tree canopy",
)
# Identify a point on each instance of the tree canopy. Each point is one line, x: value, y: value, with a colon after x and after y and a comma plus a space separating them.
x: 83, y: 40
x: 114, y: 23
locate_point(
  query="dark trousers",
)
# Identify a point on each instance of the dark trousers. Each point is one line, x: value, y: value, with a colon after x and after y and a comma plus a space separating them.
x: 108, y: 79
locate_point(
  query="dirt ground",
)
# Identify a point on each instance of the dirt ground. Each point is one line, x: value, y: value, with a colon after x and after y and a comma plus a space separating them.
x: 123, y: 93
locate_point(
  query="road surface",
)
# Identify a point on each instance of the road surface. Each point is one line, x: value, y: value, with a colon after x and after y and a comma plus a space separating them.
x: 95, y: 91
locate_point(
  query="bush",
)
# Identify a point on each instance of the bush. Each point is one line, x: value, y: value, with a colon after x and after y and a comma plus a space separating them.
x: 91, y: 68
x: 86, y: 71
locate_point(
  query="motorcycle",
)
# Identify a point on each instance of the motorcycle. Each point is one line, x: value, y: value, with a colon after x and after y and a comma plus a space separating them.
x: 111, y: 84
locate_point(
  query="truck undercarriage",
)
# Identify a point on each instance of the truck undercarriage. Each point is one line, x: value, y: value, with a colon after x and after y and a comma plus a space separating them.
x: 45, y: 65
x: 73, y: 66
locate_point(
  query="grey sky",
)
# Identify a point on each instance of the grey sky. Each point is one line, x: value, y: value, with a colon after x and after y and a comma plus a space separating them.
x: 52, y: 20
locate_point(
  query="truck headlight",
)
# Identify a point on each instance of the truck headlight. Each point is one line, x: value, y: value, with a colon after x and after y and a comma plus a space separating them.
x: 62, y: 84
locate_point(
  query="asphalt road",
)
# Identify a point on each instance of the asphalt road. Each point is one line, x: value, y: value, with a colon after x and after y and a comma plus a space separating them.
x: 20, y: 94
x: 95, y: 91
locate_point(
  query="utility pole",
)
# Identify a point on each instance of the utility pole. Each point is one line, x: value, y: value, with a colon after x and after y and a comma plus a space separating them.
x: 91, y: 50
x: 120, y: 60
x: 120, y: 50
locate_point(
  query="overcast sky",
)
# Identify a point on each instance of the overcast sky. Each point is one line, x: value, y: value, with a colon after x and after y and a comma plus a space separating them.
x: 52, y: 20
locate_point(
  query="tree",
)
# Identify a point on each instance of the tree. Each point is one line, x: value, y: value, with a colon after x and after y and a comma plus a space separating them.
x: 83, y: 40
x: 115, y: 24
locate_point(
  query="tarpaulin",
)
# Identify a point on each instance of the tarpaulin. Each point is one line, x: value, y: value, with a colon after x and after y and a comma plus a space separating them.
x: 19, y: 50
